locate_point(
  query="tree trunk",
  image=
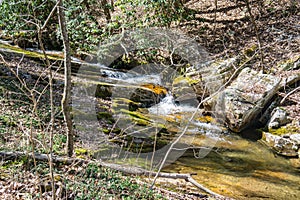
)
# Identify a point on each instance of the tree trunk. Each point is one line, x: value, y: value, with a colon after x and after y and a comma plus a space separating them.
x: 106, y: 9
x: 67, y: 88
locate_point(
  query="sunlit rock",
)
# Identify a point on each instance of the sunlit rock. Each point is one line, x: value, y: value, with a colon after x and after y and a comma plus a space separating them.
x: 283, y: 145
x: 147, y: 95
x: 241, y: 103
x: 204, y: 80
x: 278, y: 118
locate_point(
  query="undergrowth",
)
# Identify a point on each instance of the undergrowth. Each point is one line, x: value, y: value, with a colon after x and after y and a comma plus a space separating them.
x: 80, y: 182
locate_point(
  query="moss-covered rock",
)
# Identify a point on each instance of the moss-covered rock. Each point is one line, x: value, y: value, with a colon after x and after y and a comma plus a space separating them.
x: 76, y: 113
x: 147, y: 95
x: 282, y: 145
x: 284, y: 130
x: 103, y: 91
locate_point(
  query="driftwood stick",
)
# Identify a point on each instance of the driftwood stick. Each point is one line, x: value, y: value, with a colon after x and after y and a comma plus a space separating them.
x: 122, y: 168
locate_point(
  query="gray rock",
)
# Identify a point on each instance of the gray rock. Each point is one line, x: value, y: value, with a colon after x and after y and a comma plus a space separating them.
x: 271, y: 139
x: 218, y: 73
x: 296, y: 138
x: 200, y: 81
x: 278, y: 118
x: 282, y: 145
x: 209, y: 78
x: 290, y: 64
x: 291, y: 79
x: 240, y: 104
x: 266, y: 116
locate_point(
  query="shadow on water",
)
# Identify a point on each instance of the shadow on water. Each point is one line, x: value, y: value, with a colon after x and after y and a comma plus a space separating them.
x: 242, y: 169
x: 238, y: 167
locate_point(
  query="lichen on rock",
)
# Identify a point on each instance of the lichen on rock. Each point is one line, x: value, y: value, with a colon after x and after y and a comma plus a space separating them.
x: 283, y: 145
x: 241, y: 103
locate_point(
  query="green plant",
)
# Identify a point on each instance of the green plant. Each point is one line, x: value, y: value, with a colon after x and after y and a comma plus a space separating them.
x: 18, y: 19
x: 148, y: 13
x: 96, y: 182
x: 82, y: 24
x: 86, y: 27
x: 58, y: 143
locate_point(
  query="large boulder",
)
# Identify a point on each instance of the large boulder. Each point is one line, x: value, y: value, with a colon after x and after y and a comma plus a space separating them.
x: 241, y: 103
x: 202, y: 81
x: 146, y: 96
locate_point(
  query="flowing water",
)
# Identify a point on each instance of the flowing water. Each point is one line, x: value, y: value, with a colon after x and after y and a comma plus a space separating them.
x: 235, y: 166
x: 224, y: 162
x: 231, y: 165
x: 242, y: 169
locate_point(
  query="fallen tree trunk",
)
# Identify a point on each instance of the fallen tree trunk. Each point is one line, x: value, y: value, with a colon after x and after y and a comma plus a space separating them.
x: 121, y: 168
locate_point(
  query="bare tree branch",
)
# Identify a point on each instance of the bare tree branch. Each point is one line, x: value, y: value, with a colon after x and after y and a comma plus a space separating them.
x: 121, y: 168
x: 67, y: 88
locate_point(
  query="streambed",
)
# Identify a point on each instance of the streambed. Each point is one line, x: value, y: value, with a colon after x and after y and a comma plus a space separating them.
x: 242, y: 169
x: 230, y: 164
x: 233, y: 166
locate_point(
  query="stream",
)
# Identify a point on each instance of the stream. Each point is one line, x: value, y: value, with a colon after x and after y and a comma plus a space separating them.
x: 224, y: 162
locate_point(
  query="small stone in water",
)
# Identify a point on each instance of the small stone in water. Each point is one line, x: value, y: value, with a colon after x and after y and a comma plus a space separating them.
x: 296, y: 138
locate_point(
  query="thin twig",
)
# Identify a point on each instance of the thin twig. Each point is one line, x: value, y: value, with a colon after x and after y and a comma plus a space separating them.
x: 259, y: 42
x: 289, y: 94
x: 117, y: 167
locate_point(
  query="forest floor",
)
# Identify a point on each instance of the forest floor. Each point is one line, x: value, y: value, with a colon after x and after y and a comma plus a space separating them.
x: 26, y: 178
x: 230, y: 34
x: 274, y: 36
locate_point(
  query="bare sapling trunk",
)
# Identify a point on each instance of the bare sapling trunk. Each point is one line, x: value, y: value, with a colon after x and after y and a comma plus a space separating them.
x: 67, y: 88
x: 40, y: 35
